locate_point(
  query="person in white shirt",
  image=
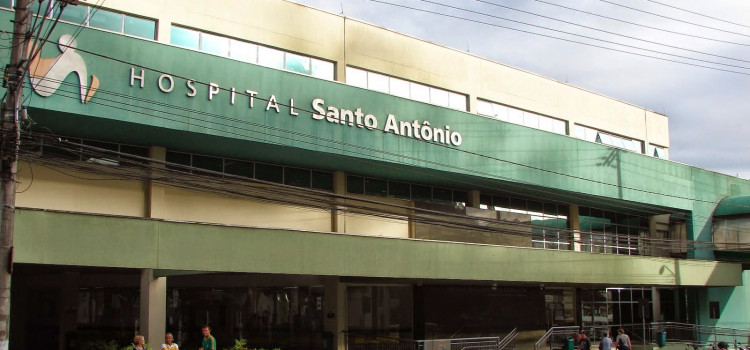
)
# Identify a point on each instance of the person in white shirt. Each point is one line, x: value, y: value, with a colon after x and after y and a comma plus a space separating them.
x: 170, y: 345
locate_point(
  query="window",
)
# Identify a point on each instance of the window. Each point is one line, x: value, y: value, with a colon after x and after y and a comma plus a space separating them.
x: 521, y: 117
x: 657, y: 151
x: 185, y: 37
x: 6, y: 3
x: 251, y: 53
x: 108, y: 20
x: 593, y: 135
x: 404, y: 88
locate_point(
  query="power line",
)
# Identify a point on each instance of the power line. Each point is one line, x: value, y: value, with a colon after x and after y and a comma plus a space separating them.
x: 570, y: 40
x: 172, y: 114
x: 699, y: 14
x: 641, y: 25
x: 674, y: 19
x: 193, y: 178
x: 593, y: 28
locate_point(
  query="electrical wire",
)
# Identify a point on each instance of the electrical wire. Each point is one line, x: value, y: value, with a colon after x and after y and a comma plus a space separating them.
x: 641, y: 25
x: 674, y: 19
x: 299, y: 138
x: 591, y: 28
x: 699, y: 14
x: 581, y: 42
x: 134, y: 168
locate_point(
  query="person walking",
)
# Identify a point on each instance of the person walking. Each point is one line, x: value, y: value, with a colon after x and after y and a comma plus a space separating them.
x: 606, y: 342
x: 169, y: 343
x: 209, y: 342
x: 623, y: 340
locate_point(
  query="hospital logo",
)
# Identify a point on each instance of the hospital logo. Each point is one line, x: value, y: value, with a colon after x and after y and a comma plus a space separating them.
x: 47, y: 74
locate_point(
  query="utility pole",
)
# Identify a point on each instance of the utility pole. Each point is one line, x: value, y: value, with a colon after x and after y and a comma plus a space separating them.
x: 9, y: 140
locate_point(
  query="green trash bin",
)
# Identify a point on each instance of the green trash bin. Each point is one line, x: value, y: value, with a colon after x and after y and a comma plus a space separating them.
x: 661, y: 338
x: 569, y: 344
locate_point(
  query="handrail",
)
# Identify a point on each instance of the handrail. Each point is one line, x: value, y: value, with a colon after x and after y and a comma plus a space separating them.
x: 510, y: 337
x: 556, y: 331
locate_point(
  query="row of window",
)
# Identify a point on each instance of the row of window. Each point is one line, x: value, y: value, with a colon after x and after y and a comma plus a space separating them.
x: 404, y: 88
x: 402, y: 190
x: 251, y: 53
x: 298, y: 177
x: 521, y: 117
x: 279, y: 59
x: 601, y: 231
x: 94, y: 17
x: 598, y: 136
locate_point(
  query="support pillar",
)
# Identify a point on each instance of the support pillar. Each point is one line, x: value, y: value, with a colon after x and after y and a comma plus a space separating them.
x: 334, y: 323
x: 338, y: 218
x: 153, y: 307
x: 655, y: 305
x: 474, y: 201
x: 69, y: 310
x: 155, y: 192
x: 574, y: 225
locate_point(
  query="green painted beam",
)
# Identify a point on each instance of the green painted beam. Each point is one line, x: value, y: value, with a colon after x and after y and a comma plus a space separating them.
x: 45, y: 237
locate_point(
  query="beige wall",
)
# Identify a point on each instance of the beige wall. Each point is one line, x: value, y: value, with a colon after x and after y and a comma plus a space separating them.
x: 349, y: 42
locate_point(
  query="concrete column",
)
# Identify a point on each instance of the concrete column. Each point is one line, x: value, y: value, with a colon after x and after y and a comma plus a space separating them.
x: 335, y: 311
x: 153, y: 307
x: 338, y: 219
x: 156, y: 193
x: 574, y: 224
x: 473, y: 199
x: 656, y: 305
x: 69, y: 307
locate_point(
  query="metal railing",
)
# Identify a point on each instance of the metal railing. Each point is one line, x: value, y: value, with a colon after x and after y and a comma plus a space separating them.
x: 509, y: 342
x: 699, y: 335
x: 481, y: 343
x: 691, y: 335
x: 555, y: 337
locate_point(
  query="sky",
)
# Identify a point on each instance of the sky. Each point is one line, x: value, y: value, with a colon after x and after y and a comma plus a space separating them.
x: 708, y: 107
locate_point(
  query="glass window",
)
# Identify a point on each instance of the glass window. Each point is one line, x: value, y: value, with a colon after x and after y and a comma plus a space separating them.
x: 5, y: 3
x: 457, y: 101
x: 269, y: 172
x: 106, y: 20
x: 140, y: 27
x: 297, y: 63
x: 531, y: 120
x: 134, y: 150
x: 355, y: 184
x: 185, y: 37
x: 439, y: 97
x: 419, y: 92
x: 399, y: 87
x: 500, y: 112
x: 75, y: 14
x: 421, y: 193
x: 515, y: 116
x: 217, y: 45
x: 208, y: 163
x: 238, y: 167
x: 377, y: 82
x: 545, y: 123
x: 376, y: 187
x: 243, y: 51
x: 399, y: 190
x: 484, y: 108
x: 270, y: 57
x: 321, y: 180
x: 297, y: 177
x: 356, y: 77
x: 322, y: 69
x: 177, y: 158
x: 558, y: 127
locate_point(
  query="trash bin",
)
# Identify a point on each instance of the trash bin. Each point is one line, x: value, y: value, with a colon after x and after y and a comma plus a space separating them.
x: 661, y: 338
x: 569, y: 344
